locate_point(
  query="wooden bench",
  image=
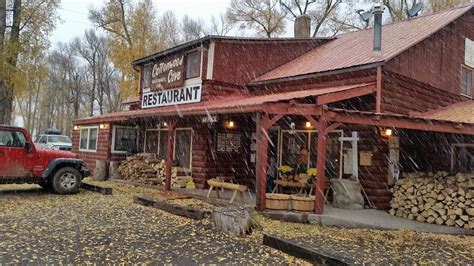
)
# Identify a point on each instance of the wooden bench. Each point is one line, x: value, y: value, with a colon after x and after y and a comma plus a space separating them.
x: 216, y: 184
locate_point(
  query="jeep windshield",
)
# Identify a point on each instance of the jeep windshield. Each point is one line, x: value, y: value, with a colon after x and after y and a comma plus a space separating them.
x: 59, y: 139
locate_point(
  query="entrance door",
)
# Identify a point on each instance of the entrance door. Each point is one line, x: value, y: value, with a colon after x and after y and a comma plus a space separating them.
x: 183, y: 148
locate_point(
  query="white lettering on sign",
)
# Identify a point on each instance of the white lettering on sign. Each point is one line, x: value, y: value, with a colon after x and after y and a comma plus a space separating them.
x: 161, y: 68
x: 209, y: 119
x: 190, y: 94
x: 469, y: 53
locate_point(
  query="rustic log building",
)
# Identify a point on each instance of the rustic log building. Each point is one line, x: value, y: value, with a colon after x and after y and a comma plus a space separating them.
x: 223, y: 105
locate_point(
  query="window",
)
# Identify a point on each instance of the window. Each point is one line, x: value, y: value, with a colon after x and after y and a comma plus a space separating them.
x: 42, y: 140
x: 182, y: 148
x: 151, y: 141
x: 125, y: 140
x: 462, y: 159
x: 193, y: 64
x: 146, y: 76
x: 162, y: 144
x: 466, y: 80
x: 88, y: 139
x: 10, y: 138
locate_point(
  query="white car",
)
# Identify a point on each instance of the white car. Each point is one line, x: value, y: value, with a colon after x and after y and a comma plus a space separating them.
x: 55, y: 142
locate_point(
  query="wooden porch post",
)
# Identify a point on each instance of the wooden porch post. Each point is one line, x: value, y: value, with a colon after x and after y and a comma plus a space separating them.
x: 262, y: 122
x: 169, y: 155
x: 320, y: 166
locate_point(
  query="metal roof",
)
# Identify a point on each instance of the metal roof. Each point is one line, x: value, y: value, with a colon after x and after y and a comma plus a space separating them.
x: 355, y: 48
x: 462, y: 112
x: 237, y: 102
x: 200, y: 41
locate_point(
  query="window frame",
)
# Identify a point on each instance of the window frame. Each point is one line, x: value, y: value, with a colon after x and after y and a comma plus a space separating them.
x: 88, y: 138
x: 15, y: 147
x: 200, y: 54
x: 114, y: 131
x: 468, y: 69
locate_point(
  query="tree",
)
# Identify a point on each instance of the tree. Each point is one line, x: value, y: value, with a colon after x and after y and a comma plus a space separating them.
x: 191, y: 29
x: 319, y: 11
x: 31, y: 23
x: 264, y: 16
x: 132, y: 29
x: 220, y: 25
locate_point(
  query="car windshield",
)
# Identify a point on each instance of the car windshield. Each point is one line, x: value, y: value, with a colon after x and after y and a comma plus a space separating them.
x: 59, y: 139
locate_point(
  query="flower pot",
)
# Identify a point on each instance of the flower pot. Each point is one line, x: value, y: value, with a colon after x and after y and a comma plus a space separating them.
x: 275, y: 201
x: 302, y: 203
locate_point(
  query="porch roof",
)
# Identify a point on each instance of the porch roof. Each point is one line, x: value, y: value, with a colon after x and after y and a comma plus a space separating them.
x: 241, y: 102
x: 415, y: 122
x: 462, y: 112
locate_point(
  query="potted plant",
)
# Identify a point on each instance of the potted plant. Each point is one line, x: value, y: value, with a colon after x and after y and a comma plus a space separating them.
x: 312, y: 172
x: 285, y: 171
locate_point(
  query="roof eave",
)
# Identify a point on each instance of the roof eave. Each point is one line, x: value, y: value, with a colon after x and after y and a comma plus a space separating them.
x: 318, y: 74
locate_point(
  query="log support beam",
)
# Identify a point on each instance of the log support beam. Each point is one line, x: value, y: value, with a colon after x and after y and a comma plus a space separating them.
x: 320, y: 164
x: 263, y: 124
x: 169, y: 154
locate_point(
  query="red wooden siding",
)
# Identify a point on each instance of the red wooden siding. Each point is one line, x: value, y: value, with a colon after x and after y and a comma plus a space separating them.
x: 103, y: 147
x: 240, y: 62
x: 402, y: 95
x: 437, y: 60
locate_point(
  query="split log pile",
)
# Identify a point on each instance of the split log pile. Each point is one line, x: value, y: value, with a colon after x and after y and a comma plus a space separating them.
x: 436, y: 198
x: 148, y: 169
x: 144, y: 168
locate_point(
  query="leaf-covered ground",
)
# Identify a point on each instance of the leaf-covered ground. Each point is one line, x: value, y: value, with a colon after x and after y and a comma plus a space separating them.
x: 37, y: 227
x: 365, y: 246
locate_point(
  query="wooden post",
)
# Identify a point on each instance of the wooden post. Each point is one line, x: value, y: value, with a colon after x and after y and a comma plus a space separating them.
x: 320, y: 166
x: 262, y: 123
x: 169, y: 155
x: 378, y: 92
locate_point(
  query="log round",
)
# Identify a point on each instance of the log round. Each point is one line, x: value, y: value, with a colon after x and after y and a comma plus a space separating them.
x: 234, y: 221
x: 101, y: 167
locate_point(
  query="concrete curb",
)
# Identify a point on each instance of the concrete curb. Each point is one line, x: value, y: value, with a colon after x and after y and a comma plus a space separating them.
x: 327, y: 220
x: 293, y: 249
x: 188, y: 212
x: 95, y: 188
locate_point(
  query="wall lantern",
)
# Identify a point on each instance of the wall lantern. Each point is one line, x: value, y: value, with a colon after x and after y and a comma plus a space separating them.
x: 308, y: 124
x: 76, y: 127
x: 230, y: 124
x: 165, y: 124
x: 104, y: 126
x: 386, y: 132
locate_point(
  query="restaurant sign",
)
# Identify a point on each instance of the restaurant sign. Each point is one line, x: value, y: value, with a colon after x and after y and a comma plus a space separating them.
x: 165, y: 74
x: 189, y: 94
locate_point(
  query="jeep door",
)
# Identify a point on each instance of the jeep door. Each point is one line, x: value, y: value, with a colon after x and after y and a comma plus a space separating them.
x: 15, y: 161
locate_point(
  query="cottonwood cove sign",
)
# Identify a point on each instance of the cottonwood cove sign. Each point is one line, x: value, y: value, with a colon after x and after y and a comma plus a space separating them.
x: 189, y: 94
x: 165, y: 74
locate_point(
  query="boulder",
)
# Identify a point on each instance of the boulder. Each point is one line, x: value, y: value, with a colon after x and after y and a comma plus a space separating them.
x: 347, y: 194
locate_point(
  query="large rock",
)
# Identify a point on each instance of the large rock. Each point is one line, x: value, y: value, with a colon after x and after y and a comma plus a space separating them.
x: 347, y: 194
x: 235, y: 221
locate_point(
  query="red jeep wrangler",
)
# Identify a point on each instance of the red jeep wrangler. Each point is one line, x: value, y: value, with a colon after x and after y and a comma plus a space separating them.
x: 22, y: 162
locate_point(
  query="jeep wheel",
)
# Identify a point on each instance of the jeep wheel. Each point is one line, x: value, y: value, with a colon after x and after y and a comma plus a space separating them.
x: 67, y: 180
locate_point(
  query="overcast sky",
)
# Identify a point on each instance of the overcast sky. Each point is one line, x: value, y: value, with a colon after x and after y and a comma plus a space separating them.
x: 74, y: 14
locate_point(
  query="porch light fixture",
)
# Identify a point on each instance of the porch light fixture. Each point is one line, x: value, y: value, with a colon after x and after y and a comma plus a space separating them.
x: 76, y: 127
x: 386, y: 132
x: 165, y: 124
x: 230, y: 124
x: 104, y: 126
x: 308, y: 124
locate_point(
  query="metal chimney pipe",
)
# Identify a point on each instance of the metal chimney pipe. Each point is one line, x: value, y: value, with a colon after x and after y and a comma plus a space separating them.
x: 377, y: 10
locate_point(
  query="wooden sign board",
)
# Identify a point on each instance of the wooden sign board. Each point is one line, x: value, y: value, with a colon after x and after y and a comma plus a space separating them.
x: 365, y: 158
x: 163, y: 74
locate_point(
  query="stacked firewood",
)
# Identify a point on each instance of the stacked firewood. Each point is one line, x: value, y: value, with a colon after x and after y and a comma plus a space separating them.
x: 143, y: 168
x: 436, y: 198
